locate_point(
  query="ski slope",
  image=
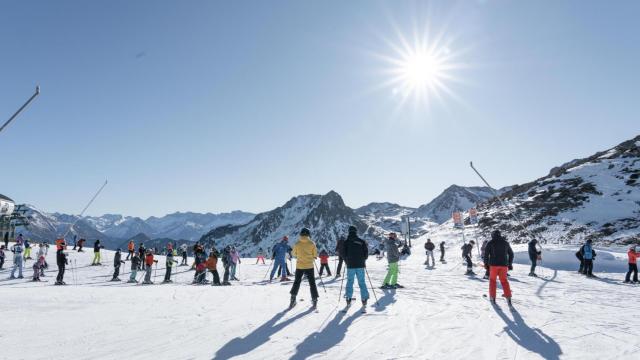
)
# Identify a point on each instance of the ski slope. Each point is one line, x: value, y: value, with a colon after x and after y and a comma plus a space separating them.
x: 441, y: 314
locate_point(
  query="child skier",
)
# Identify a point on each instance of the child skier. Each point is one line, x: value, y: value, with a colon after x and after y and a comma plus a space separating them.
x: 498, y: 259
x: 535, y: 254
x: 356, y: 252
x: 442, y: 253
x: 306, y: 252
x: 135, y: 266
x: 429, y: 247
x: 260, y: 256
x: 212, y: 266
x: 235, y: 261
x: 200, y: 258
x: 324, y: 262
x: 38, y: 267
x: 393, y: 257
x: 633, y: 266
x: 27, y: 250
x: 148, y: 262
x: 466, y: 254
x: 17, y: 250
x: 117, y: 261
x: 280, y: 259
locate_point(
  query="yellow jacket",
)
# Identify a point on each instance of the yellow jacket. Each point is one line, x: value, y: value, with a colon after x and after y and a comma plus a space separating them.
x: 306, y: 252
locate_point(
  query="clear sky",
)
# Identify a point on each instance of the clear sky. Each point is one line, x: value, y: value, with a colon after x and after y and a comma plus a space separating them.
x: 224, y: 105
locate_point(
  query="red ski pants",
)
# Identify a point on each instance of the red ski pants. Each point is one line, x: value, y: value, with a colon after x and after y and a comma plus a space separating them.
x: 501, y: 272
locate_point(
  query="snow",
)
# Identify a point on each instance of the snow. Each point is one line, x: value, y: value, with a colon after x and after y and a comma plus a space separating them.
x: 440, y: 314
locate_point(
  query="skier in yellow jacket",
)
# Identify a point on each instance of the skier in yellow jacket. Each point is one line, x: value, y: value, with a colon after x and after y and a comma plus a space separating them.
x: 306, y: 253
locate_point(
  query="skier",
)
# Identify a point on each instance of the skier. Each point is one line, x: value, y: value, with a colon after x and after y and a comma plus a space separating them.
x: 117, y: 261
x: 340, y: 254
x: 429, y: 247
x: 633, y: 266
x: 200, y: 258
x: 184, y: 255
x: 96, y: 253
x: 62, y: 261
x: 81, y: 244
x: 135, y: 266
x: 38, y: 267
x: 442, y: 253
x: 260, y: 256
x: 483, y: 248
x: 534, y: 255
x: 27, y: 250
x: 2, y: 256
x: 6, y: 240
x: 212, y: 266
x: 235, y: 261
x: 131, y: 247
x: 280, y: 259
x: 42, y: 253
x: 17, y: 250
x: 305, y: 252
x: 498, y: 259
x: 579, y: 256
x: 141, y: 252
x: 170, y: 263
x: 393, y: 257
x: 589, y: 255
x: 356, y: 252
x: 148, y: 262
x: 466, y: 254
x: 324, y: 262
x: 226, y: 262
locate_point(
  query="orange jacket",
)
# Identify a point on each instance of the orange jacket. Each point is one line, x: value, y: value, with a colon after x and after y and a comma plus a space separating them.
x: 212, y: 263
x: 148, y: 259
x: 132, y: 246
x: 633, y: 256
x: 324, y: 259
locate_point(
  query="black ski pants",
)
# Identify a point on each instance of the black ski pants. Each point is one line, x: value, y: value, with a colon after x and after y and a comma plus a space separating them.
x: 469, y: 263
x: 441, y: 255
x: 325, y: 266
x: 116, y: 271
x: 60, y: 276
x: 633, y: 268
x: 225, y: 277
x: 534, y: 263
x: 588, y: 266
x: 1, y: 262
x: 216, y: 277
x: 129, y: 255
x: 339, y: 270
x: 167, y: 274
x: 298, y: 279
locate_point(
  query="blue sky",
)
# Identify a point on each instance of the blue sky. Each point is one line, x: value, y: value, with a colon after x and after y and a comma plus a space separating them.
x: 223, y: 105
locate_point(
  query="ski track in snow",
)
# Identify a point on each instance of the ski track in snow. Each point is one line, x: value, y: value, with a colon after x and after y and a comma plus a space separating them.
x: 441, y: 314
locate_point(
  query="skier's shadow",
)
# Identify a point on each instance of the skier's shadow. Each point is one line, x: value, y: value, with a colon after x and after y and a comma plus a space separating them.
x: 323, y: 340
x: 259, y: 336
x: 546, y: 282
x: 534, y: 340
x: 386, y: 300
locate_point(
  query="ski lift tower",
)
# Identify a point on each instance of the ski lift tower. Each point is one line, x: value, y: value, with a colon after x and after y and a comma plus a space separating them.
x: 11, y: 216
x: 405, y: 228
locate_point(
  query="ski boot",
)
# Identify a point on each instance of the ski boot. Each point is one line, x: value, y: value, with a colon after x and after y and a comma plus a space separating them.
x: 349, y: 302
x: 292, y: 302
x: 492, y: 300
x: 226, y: 283
x: 20, y: 277
x: 398, y: 286
x: 11, y: 277
x: 385, y: 287
x: 314, y: 303
x: 131, y: 281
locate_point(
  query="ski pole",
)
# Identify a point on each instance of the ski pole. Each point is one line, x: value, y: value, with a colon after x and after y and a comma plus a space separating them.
x: 340, y: 293
x: 155, y: 273
x: 319, y: 276
x: 370, y: 283
x: 21, y: 108
x: 268, y: 268
x: 85, y: 208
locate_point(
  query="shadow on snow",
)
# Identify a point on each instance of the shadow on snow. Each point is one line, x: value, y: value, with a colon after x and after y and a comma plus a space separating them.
x: 323, y: 340
x: 534, y: 340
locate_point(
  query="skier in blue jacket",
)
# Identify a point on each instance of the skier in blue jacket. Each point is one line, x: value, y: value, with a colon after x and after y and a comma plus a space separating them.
x: 280, y: 259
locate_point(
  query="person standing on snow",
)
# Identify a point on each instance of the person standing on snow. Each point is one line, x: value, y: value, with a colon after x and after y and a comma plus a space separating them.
x: 141, y: 252
x: 260, y: 256
x: 61, y: 261
x: 200, y: 258
x: 148, y: 262
x: 305, y: 252
x: 429, y: 247
x: 498, y: 259
x: 534, y: 255
x: 356, y: 252
x: 633, y: 265
x: 117, y: 261
x: 170, y: 263
x: 17, y: 250
x: 96, y: 253
x: 235, y: 261
x: 442, y: 252
x: 280, y: 251
x: 135, y: 266
x: 589, y: 255
x: 38, y: 267
x: 131, y: 247
x: 27, y: 250
x: 81, y: 244
x: 2, y: 256
x: 466, y: 254
x: 324, y: 262
x: 226, y: 263
x: 183, y: 247
x: 340, y: 254
x: 393, y: 257
x: 483, y: 248
x: 212, y: 266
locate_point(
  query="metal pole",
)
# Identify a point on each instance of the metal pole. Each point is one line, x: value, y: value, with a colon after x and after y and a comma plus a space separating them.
x: 268, y: 268
x: 341, y: 282
x: 319, y: 277
x: 372, y: 289
x: 21, y: 108
x: 85, y: 208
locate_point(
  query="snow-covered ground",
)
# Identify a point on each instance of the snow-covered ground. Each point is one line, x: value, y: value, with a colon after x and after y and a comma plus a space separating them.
x: 441, y: 314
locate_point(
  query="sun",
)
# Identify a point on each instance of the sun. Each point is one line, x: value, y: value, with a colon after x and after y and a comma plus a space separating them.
x: 420, y: 71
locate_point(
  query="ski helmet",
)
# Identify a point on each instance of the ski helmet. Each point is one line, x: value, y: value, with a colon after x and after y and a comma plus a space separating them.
x: 305, y: 232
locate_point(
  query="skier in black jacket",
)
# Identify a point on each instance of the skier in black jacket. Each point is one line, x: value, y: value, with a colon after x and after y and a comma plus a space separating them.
x: 340, y: 253
x: 498, y: 259
x: 442, y: 252
x: 61, y: 260
x: 356, y: 252
x: 534, y: 254
x: 466, y: 254
x: 117, y: 261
